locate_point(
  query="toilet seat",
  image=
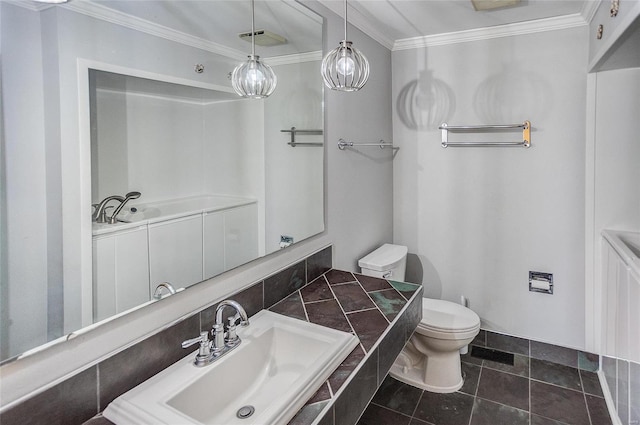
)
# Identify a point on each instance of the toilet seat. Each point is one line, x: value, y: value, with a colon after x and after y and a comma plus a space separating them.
x: 447, y: 320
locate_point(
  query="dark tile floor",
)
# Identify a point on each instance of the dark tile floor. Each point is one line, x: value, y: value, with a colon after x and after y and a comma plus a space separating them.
x: 529, y: 392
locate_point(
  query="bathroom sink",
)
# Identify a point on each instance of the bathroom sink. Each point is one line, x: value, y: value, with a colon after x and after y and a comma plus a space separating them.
x: 279, y: 365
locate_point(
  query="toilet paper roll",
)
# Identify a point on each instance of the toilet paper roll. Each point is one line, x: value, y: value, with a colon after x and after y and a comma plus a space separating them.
x: 540, y: 284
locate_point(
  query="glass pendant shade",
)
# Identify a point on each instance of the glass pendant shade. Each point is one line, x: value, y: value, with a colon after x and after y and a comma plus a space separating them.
x: 345, y: 68
x: 254, y: 79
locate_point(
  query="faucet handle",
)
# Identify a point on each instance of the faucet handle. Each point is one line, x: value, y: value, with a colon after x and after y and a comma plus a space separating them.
x: 205, y: 348
x: 203, y: 338
x: 103, y: 215
x: 232, y: 337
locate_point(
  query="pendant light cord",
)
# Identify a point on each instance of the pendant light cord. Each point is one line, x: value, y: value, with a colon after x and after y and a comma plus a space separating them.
x: 253, y: 29
x: 345, y: 20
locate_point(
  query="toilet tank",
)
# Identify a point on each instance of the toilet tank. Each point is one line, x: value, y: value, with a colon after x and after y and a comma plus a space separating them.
x: 388, y: 262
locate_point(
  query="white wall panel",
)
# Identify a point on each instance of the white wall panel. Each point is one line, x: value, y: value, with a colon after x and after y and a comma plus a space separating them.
x: 479, y: 219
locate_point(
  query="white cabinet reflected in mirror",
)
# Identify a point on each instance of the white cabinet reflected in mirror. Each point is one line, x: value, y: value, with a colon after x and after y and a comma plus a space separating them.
x: 100, y: 100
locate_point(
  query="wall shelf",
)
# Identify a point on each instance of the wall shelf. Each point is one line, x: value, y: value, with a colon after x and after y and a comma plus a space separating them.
x: 446, y: 129
x: 310, y: 132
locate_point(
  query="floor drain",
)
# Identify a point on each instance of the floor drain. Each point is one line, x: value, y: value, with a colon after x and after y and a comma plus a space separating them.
x: 245, y: 411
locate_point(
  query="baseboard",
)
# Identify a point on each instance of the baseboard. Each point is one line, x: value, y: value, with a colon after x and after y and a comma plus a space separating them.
x: 611, y: 404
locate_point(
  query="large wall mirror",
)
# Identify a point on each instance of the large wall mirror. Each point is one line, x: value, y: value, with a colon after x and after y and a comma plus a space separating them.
x: 128, y: 161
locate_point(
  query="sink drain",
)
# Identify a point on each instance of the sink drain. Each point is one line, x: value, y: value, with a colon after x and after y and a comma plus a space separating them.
x: 245, y: 411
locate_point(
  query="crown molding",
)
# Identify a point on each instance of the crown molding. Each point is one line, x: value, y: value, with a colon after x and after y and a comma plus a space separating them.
x: 294, y: 58
x: 30, y: 5
x: 98, y: 11
x: 520, y: 28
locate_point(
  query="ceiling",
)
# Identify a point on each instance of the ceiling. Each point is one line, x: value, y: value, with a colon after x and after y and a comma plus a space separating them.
x: 391, y: 21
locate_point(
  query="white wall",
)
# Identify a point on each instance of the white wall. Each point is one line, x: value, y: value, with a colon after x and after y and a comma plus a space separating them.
x: 480, y: 219
x: 148, y: 144
x: 168, y: 148
x: 233, y: 161
x: 359, y: 181
x: 294, y: 175
x: 25, y: 168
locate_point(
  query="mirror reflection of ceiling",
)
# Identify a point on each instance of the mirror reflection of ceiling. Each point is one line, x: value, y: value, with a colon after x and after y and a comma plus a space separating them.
x: 221, y: 21
x: 143, y: 86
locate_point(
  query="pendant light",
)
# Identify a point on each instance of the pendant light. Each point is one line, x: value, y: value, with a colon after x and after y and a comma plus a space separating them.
x: 345, y: 68
x: 253, y: 79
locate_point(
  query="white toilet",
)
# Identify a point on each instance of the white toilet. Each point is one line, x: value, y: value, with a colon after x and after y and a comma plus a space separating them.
x: 431, y: 358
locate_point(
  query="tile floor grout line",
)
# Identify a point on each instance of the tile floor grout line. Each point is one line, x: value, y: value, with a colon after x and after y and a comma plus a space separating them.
x: 529, y: 386
x: 388, y: 408
x: 413, y: 414
x: 475, y: 393
x: 584, y: 396
x: 473, y: 407
x: 556, y: 385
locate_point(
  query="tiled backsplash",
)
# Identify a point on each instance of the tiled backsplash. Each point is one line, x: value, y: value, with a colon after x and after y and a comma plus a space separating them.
x: 87, y: 393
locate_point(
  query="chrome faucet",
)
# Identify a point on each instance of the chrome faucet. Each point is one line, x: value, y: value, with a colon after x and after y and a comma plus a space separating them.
x: 212, y: 350
x: 100, y: 214
x: 220, y: 342
x: 127, y: 197
x: 157, y: 294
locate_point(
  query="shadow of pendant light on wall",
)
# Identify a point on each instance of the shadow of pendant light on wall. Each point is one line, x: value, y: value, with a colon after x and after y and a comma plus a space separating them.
x: 253, y: 79
x: 345, y: 68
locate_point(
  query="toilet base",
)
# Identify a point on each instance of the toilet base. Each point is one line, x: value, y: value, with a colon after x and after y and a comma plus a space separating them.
x: 438, y: 372
x: 415, y: 377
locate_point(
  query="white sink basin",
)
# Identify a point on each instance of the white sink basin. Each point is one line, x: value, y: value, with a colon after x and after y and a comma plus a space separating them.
x: 280, y: 364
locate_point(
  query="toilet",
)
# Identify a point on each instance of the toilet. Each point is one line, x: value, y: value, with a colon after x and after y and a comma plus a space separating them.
x: 431, y: 358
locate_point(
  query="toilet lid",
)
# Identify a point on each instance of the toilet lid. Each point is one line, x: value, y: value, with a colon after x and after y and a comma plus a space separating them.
x: 447, y: 316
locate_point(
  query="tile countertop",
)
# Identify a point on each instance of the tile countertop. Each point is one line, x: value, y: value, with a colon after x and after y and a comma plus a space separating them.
x: 376, y: 310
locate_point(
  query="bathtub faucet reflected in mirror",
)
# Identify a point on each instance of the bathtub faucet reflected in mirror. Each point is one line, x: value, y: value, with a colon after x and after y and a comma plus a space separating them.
x: 100, y: 212
x: 128, y: 196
